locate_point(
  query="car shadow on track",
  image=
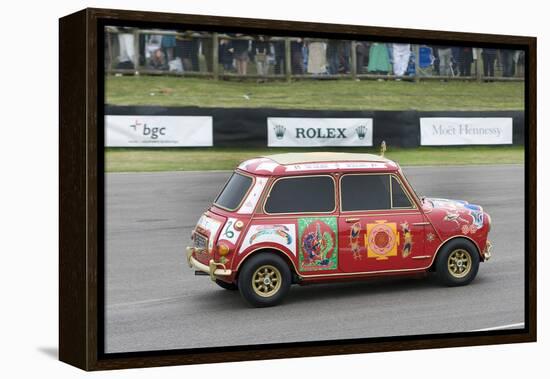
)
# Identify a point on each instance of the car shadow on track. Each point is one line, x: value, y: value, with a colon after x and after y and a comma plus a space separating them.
x: 372, y: 287
x: 351, y: 289
x: 220, y: 299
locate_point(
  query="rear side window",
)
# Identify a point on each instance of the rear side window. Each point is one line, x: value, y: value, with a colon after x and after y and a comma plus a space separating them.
x: 301, y: 195
x: 233, y: 193
x: 365, y: 192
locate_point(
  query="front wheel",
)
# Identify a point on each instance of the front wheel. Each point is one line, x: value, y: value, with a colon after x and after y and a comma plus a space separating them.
x: 264, y: 280
x: 457, y: 263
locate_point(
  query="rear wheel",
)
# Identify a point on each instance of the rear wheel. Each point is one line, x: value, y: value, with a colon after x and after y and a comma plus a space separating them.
x: 227, y: 286
x: 457, y: 263
x: 264, y: 280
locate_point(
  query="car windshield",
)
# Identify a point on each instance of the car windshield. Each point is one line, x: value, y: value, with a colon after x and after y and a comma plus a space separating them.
x: 234, y: 191
x: 410, y: 186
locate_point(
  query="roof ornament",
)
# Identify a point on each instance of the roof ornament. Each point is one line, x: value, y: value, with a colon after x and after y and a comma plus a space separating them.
x: 382, y: 148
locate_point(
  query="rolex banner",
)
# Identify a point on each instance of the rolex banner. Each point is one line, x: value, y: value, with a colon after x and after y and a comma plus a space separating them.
x: 308, y: 132
x: 444, y: 131
x: 158, y: 131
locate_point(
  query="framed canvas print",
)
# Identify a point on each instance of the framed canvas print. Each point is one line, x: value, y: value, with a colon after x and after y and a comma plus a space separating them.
x: 242, y: 189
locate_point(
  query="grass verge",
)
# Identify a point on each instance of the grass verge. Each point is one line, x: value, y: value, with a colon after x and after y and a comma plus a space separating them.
x: 203, y: 159
x: 314, y: 94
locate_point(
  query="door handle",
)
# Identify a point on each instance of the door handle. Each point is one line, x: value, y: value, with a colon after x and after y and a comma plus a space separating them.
x: 353, y: 219
x: 420, y: 223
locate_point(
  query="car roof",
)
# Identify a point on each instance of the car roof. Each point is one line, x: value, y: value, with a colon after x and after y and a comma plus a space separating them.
x: 316, y: 157
x: 317, y: 162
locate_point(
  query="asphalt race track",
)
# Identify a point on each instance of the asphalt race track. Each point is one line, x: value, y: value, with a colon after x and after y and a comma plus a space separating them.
x: 155, y: 302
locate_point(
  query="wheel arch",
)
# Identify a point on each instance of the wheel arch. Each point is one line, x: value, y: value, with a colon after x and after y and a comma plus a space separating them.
x: 271, y: 250
x: 449, y: 240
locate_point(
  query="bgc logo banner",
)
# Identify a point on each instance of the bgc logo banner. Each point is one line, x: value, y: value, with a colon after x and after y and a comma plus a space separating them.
x: 158, y: 131
x: 307, y: 132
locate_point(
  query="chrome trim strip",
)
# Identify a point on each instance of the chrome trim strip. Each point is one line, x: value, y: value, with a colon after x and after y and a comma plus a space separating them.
x: 363, y: 273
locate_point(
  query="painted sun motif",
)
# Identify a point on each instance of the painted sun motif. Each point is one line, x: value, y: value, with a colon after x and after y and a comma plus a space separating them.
x: 381, y: 240
x: 430, y: 237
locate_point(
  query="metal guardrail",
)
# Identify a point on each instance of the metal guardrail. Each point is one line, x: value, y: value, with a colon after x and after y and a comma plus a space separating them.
x: 287, y: 74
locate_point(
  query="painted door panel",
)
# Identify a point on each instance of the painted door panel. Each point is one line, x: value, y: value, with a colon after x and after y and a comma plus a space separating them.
x: 375, y: 241
x: 311, y: 241
x: 318, y: 250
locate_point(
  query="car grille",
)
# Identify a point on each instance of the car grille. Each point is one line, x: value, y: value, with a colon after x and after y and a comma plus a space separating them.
x: 200, y: 242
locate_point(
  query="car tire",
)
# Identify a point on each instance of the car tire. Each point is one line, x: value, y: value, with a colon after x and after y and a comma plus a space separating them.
x: 264, y: 280
x: 227, y: 286
x: 457, y: 263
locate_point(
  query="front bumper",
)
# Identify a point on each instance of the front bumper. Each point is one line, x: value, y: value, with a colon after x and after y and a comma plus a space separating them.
x: 487, y: 252
x: 213, y: 269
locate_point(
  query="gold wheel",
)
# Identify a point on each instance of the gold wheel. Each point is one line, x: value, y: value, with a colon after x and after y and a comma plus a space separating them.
x: 459, y: 263
x: 266, y: 281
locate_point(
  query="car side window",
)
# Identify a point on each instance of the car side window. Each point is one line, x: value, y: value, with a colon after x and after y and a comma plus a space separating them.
x: 399, y: 196
x: 301, y: 195
x: 365, y: 192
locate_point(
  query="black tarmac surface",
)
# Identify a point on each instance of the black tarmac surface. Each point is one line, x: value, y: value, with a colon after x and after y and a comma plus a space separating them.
x: 155, y: 302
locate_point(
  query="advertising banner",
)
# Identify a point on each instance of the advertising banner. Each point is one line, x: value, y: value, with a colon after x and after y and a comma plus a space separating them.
x: 444, y: 131
x: 158, y: 131
x: 313, y: 132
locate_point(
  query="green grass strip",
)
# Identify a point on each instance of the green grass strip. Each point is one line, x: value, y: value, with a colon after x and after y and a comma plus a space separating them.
x: 315, y: 94
x: 203, y: 159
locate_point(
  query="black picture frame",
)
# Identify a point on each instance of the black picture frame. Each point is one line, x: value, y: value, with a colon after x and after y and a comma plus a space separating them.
x: 81, y: 183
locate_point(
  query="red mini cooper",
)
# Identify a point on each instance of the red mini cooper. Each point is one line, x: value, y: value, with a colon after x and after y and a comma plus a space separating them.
x: 312, y: 217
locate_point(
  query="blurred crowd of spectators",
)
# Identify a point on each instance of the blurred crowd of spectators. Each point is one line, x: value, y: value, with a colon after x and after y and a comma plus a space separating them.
x: 189, y: 51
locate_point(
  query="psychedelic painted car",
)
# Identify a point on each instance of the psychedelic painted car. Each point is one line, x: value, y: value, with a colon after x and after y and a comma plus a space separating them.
x: 301, y: 218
